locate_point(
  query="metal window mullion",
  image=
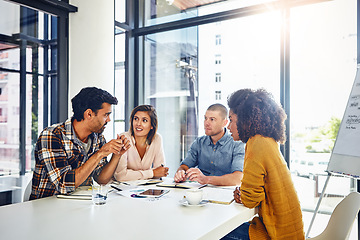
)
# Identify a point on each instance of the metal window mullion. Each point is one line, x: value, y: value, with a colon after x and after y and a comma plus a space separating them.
x: 54, y: 116
x: 22, y: 108
x: 358, y: 62
x: 62, y: 68
x: 222, y: 16
x: 285, y: 78
x: 46, y: 73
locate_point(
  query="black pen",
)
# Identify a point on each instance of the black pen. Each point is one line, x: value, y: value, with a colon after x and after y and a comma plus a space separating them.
x: 116, y: 188
x: 162, y: 166
x: 202, y: 186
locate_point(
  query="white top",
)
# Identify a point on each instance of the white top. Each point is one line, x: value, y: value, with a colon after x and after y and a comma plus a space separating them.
x: 120, y: 218
x: 132, y: 167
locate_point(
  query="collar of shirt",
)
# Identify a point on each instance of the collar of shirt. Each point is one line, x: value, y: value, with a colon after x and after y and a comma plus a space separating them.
x: 70, y: 134
x: 221, y: 141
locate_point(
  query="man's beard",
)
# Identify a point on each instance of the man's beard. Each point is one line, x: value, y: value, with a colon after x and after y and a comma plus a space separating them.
x: 101, y: 130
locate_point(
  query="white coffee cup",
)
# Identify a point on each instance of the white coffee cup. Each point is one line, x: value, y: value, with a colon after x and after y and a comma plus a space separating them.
x: 194, y: 196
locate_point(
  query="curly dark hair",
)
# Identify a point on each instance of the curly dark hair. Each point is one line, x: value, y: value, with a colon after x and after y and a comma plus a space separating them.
x: 257, y: 113
x: 90, y: 98
x: 154, y: 120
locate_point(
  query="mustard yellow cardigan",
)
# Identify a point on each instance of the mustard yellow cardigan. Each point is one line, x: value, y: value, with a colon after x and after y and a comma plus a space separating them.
x: 267, y: 183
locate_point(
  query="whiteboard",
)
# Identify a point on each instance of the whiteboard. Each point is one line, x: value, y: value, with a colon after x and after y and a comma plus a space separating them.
x: 345, y: 157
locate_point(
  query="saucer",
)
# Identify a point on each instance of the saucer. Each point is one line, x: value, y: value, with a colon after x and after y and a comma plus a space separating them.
x: 185, y: 203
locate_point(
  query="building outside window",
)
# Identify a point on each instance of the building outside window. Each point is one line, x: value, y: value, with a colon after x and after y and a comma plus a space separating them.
x: 218, y: 59
x: 218, y: 95
x: 119, y: 112
x: 33, y: 46
x: 218, y: 77
x: 318, y: 59
x: 218, y: 39
x: 19, y: 23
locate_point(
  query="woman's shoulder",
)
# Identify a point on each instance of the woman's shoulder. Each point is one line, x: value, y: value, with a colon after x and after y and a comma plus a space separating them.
x: 260, y: 141
x: 157, y: 138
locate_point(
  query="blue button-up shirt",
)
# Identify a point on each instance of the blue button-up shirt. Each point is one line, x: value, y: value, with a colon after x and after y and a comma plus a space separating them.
x: 225, y: 157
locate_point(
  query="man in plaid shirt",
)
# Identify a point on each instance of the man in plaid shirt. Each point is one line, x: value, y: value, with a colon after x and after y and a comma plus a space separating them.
x: 69, y: 154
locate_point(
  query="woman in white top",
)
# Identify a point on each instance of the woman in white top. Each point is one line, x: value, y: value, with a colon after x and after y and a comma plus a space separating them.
x: 145, y: 158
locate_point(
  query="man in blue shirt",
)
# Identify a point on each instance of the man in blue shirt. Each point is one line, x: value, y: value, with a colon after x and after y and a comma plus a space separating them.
x: 219, y: 159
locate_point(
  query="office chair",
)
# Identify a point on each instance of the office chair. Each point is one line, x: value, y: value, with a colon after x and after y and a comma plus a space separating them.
x: 342, y: 219
x: 27, y: 192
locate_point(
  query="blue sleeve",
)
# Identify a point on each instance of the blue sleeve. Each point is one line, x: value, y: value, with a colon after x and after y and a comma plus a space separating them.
x: 238, y: 156
x: 191, y: 159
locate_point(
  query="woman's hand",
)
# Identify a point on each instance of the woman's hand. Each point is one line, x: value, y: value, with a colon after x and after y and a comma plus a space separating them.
x: 237, y: 195
x: 160, y: 171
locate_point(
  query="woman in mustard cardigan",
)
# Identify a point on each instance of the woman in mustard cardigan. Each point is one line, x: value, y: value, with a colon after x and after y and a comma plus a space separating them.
x: 257, y: 120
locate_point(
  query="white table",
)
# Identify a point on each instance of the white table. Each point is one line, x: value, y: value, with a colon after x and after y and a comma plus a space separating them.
x: 120, y: 218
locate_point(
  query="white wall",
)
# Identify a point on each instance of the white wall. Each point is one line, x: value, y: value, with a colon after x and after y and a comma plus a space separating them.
x: 91, y: 49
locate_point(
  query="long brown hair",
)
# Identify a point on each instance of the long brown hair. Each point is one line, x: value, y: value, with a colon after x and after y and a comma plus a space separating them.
x: 153, y: 120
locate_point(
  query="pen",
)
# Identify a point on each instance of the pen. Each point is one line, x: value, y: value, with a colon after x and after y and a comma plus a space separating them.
x: 136, y: 196
x: 221, y: 202
x: 162, y: 166
x: 116, y: 188
x: 202, y: 186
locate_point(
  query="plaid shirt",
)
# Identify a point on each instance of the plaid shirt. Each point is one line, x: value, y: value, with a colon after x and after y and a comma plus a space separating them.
x: 58, y: 153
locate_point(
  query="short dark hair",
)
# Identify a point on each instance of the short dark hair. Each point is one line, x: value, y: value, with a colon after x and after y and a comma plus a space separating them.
x: 257, y: 113
x: 90, y: 98
x: 153, y: 120
x: 220, y: 108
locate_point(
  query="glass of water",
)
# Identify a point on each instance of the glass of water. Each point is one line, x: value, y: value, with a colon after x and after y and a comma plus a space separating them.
x: 99, y: 193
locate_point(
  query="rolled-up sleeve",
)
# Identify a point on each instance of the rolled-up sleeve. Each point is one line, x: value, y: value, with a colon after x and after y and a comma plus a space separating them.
x: 99, y: 144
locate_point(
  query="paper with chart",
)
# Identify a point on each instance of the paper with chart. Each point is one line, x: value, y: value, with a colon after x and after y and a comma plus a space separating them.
x: 348, y: 139
x: 345, y: 157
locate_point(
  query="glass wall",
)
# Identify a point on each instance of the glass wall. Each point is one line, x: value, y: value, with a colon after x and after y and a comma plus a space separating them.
x: 27, y: 69
x: 171, y: 86
x: 163, y: 11
x: 323, y: 67
x: 185, y: 69
x: 119, y: 113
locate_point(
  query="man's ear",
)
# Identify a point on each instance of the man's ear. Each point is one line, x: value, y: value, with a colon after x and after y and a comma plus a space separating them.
x: 225, y: 122
x: 88, y: 114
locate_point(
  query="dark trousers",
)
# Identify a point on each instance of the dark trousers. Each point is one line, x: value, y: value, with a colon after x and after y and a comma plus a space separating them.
x: 239, y: 233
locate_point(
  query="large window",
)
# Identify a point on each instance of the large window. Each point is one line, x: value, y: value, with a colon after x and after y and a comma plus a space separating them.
x: 192, y: 56
x: 171, y: 86
x: 119, y: 113
x: 179, y: 67
x: 323, y: 68
x: 33, y: 84
x: 25, y: 67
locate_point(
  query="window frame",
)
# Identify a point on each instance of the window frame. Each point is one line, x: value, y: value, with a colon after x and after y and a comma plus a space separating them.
x: 59, y: 85
x: 134, y: 44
